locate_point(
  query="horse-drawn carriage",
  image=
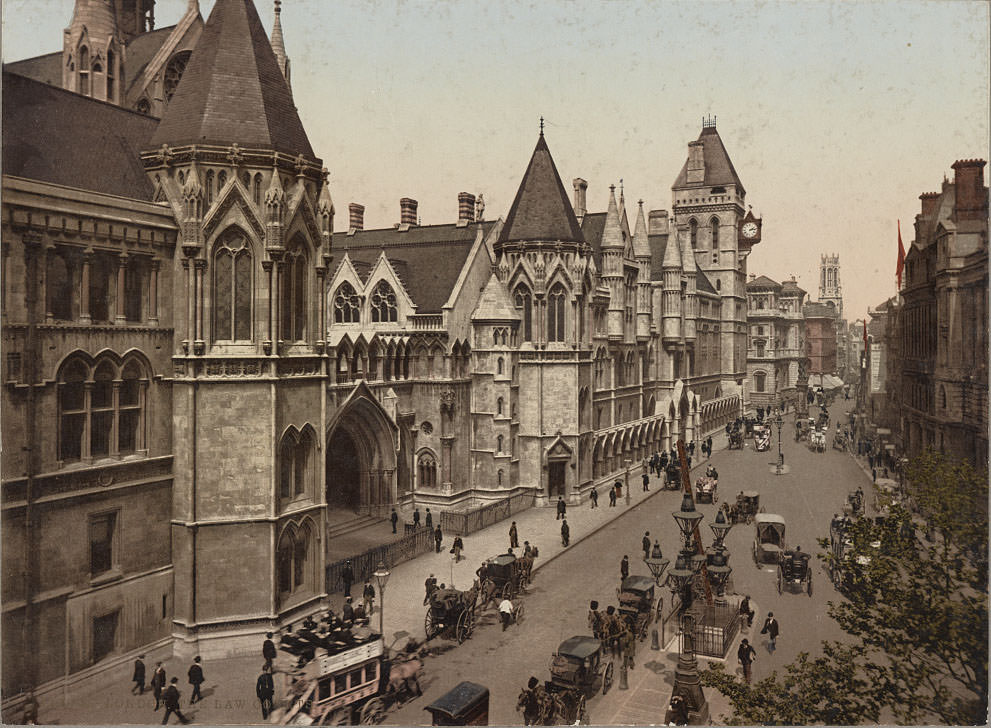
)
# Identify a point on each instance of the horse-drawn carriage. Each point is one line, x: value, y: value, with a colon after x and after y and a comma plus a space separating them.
x: 769, y: 538
x: 801, y: 430
x: 706, y: 487
x: 840, y: 544
x: 817, y: 441
x: 794, y: 569
x: 854, y: 505
x: 762, y: 438
x: 467, y: 703
x: 672, y: 476
x: 347, y: 683
x: 577, y: 668
x: 451, y: 614
x: 839, y: 441
x: 735, y: 439
x: 746, y: 507
x: 636, y: 604
x: 504, y: 576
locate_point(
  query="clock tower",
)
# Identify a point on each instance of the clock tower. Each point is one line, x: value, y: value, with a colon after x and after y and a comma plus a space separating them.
x: 709, y: 200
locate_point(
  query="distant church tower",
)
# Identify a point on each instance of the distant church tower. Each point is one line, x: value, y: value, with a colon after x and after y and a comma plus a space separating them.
x: 829, y: 283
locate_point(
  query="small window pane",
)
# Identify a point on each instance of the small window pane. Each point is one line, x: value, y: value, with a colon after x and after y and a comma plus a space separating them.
x: 222, y: 295
x: 340, y: 683
x: 242, y: 296
x: 101, y: 539
x: 323, y: 689
x: 128, y: 435
x: 100, y: 426
x: 71, y: 441
x: 355, y: 678
x: 371, y: 671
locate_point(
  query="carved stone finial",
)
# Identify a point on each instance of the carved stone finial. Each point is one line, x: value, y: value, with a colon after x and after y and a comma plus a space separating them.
x: 165, y: 155
x: 234, y: 155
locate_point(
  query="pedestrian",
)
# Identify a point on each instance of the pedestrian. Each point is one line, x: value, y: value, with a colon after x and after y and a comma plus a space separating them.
x: 265, y: 689
x: 629, y: 642
x: 565, y: 532
x: 874, y: 474
x: 347, y: 576
x: 158, y: 683
x: 429, y: 586
x: 562, y: 508
x: 430, y: 519
x: 347, y: 611
x: 646, y: 544
x: 416, y: 517
x: 656, y: 551
x: 505, y: 612
x: 689, y: 462
x: 195, y: 679
x: 268, y: 650
x: 679, y: 710
x: 612, y: 496
x: 527, y: 549
x: 438, y: 537
x: 457, y: 548
x: 870, y: 461
x: 514, y: 540
x: 708, y: 445
x: 691, y: 448
x: 139, y: 676
x: 594, y: 496
x: 663, y: 463
x: 395, y: 519
x: 646, y: 481
x: 746, y: 610
x: 368, y: 597
x: 771, y: 629
x: 746, y: 655
x: 624, y: 567
x: 171, y: 700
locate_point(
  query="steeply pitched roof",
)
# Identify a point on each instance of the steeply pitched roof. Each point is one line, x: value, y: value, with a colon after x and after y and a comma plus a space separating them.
x: 762, y: 282
x: 593, y: 223
x: 613, y: 236
x: 541, y: 210
x: 702, y: 282
x: 494, y: 303
x: 658, y: 248
x: 427, y: 259
x: 57, y: 136
x: 142, y: 49
x: 641, y: 246
x: 719, y: 169
x: 792, y: 285
x: 232, y: 89
x: 46, y: 68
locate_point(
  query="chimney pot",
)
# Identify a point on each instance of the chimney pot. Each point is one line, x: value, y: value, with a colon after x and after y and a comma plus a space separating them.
x: 466, y: 207
x: 971, y: 201
x: 581, y: 187
x: 407, y: 211
x: 696, y: 162
x: 657, y: 222
x: 357, y: 213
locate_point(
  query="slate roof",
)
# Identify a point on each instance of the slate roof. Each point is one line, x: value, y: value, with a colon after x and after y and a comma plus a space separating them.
x: 791, y: 285
x: 593, y: 223
x: 232, y: 89
x: 46, y: 68
x: 702, y: 282
x: 658, y: 246
x: 57, y: 136
x: 494, y: 303
x: 141, y: 50
x: 427, y: 259
x: 814, y: 309
x: 719, y: 169
x: 541, y: 210
x: 762, y: 282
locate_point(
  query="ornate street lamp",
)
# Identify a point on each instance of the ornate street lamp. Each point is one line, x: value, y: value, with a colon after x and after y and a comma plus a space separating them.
x: 781, y: 458
x: 381, y: 575
x: 657, y: 565
x: 718, y: 570
x: 720, y: 528
x: 687, y: 519
x: 680, y: 579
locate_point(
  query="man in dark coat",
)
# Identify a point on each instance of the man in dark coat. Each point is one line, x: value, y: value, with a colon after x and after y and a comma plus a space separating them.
x: 195, y: 679
x: 171, y: 700
x: 368, y: 598
x: 624, y: 567
x: 158, y: 684
x: 562, y: 508
x: 746, y: 655
x: 612, y: 494
x: 708, y: 445
x: 139, y: 676
x: 429, y: 586
x: 646, y: 544
x: 438, y: 537
x: 771, y: 629
x: 430, y: 519
x: 395, y: 519
x: 416, y: 517
x: 347, y: 576
x: 268, y: 650
x: 646, y: 482
x: 565, y: 532
x: 265, y: 689
x: 594, y: 497
x: 347, y: 611
x: 514, y: 539
x: 663, y: 463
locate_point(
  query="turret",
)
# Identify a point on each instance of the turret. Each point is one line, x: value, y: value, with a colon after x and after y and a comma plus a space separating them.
x: 279, y: 45
x: 641, y: 251
x: 613, y: 245
x: 689, y: 271
x: 93, y: 52
x: 275, y: 210
x: 671, y: 281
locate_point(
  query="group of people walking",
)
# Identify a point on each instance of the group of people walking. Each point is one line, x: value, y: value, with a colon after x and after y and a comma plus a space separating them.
x: 165, y: 690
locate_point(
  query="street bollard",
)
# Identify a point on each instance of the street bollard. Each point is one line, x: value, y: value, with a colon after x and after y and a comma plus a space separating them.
x: 655, y: 643
x: 623, y: 685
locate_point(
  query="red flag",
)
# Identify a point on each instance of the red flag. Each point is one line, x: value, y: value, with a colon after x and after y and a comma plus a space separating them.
x: 901, y: 256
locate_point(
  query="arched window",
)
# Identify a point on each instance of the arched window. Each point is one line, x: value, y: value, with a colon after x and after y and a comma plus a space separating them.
x: 759, y: 381
x: 499, y: 478
x: 500, y: 366
x: 232, y: 288
x: 111, y: 75
x: 524, y: 302
x: 495, y: 337
x: 256, y: 189
x: 221, y: 180
x: 208, y: 188
x: 426, y: 468
x: 129, y: 407
x: 556, y: 301
x: 292, y: 560
x: 383, y: 303
x: 73, y: 406
x: 84, y: 70
x: 295, y: 464
x: 499, y: 441
x: 714, y: 227
x: 942, y: 396
x: 173, y: 73
x: 293, y: 292
x: 347, y: 305
x: 693, y: 232
x: 499, y: 403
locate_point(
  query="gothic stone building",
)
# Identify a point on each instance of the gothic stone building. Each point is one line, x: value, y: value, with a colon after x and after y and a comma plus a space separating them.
x: 202, y: 375
x: 777, y: 341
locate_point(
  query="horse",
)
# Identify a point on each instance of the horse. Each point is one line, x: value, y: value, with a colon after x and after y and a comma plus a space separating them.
x: 487, y: 593
x: 525, y: 565
x: 404, y: 675
x: 529, y: 703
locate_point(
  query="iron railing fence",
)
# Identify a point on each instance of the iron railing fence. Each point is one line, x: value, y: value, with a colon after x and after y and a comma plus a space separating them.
x: 463, y: 523
x: 414, y: 543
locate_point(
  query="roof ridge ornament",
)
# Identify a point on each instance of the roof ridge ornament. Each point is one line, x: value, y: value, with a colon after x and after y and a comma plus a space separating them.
x: 541, y: 126
x: 709, y: 122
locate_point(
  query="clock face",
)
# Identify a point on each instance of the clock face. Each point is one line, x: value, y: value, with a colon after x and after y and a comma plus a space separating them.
x: 750, y: 230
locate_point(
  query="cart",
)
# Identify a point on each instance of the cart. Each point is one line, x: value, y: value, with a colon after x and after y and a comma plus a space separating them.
x: 762, y: 438
x: 794, y: 570
x: 746, y: 507
x: 706, y: 489
x: 769, y: 538
x: 450, y: 614
x: 839, y: 441
x: 503, y: 575
x: 467, y: 703
x: 840, y: 544
x: 817, y: 441
x: 576, y: 671
x: 736, y: 440
x: 672, y: 477
x: 636, y: 604
x: 854, y: 505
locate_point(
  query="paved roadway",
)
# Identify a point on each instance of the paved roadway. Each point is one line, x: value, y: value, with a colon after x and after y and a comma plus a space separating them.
x: 556, y: 607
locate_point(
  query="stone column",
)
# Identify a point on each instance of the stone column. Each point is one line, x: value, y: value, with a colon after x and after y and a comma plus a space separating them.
x: 119, y: 296
x: 321, y: 309
x: 267, y: 266
x: 198, y: 344
x: 275, y: 303
x: 187, y: 337
x: 46, y: 293
x: 447, y: 399
x: 153, y: 292
x: 84, y: 313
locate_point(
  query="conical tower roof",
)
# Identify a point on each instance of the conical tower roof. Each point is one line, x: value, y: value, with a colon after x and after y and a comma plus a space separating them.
x: 719, y: 169
x: 612, y: 228
x: 233, y: 90
x: 641, y: 244
x: 672, y: 251
x: 541, y: 210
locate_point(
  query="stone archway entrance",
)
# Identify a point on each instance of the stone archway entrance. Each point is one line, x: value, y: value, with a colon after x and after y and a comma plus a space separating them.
x: 343, y: 472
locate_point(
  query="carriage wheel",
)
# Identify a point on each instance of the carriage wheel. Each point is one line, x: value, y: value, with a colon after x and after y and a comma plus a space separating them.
x: 607, y: 678
x: 810, y: 584
x: 582, y: 712
x: 521, y: 584
x: 507, y: 590
x: 466, y: 625
x: 779, y: 580
x: 520, y: 611
x: 428, y: 626
x: 373, y: 712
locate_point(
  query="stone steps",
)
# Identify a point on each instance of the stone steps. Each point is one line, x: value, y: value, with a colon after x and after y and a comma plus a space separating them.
x: 355, y: 524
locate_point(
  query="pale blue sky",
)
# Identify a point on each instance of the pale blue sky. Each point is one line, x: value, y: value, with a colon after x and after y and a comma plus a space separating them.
x: 837, y: 115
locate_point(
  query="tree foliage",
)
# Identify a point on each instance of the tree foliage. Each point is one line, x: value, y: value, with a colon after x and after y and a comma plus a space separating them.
x: 915, y: 588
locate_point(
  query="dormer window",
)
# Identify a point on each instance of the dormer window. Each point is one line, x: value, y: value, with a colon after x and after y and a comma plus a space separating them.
x: 383, y: 303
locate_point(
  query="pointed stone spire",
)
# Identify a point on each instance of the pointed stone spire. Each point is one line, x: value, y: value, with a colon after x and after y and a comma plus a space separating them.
x: 688, y: 256
x: 278, y: 43
x: 91, y: 46
x: 641, y: 244
x: 612, y: 230
x: 325, y: 210
x: 672, y: 252
x: 276, y: 193
x: 624, y: 221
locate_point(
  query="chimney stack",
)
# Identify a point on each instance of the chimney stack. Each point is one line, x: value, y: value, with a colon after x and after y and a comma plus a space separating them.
x: 971, y: 197
x: 929, y: 200
x: 357, y: 213
x: 657, y: 222
x: 696, y: 162
x: 466, y: 208
x: 407, y: 212
x: 581, y: 186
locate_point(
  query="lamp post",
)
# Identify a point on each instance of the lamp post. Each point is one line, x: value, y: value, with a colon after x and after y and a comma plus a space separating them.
x: 657, y: 565
x: 679, y: 580
x: 719, y: 570
x: 626, y: 479
x: 381, y: 575
x: 781, y: 458
x: 720, y: 528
